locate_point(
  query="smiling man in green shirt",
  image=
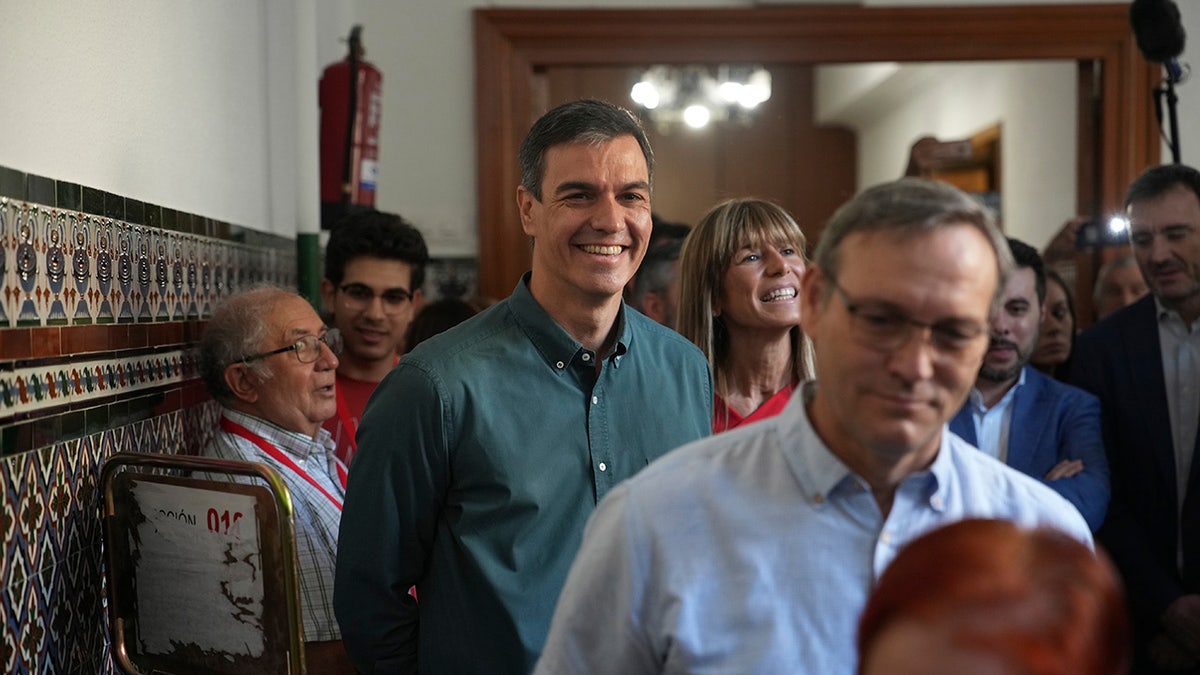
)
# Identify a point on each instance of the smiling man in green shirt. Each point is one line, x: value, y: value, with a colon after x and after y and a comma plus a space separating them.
x: 483, y: 453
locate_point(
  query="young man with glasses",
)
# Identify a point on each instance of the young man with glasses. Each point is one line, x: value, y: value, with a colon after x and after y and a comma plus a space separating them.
x: 754, y: 551
x: 374, y: 268
x: 269, y: 360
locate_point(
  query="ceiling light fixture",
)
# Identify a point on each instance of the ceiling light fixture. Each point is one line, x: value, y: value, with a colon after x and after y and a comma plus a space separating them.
x: 693, y: 95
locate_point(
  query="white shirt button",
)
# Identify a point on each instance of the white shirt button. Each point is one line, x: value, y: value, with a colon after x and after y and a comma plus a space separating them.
x: 603, y: 466
x: 559, y: 365
x: 595, y: 400
x: 586, y: 356
x: 885, y: 537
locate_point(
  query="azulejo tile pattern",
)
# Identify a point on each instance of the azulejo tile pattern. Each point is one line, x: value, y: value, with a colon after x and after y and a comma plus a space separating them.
x: 102, y: 298
x: 53, y: 600
x: 74, y: 268
x: 42, y: 388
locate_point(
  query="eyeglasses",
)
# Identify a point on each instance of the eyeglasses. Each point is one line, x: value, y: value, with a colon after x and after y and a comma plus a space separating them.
x: 880, y: 326
x: 360, y: 296
x: 307, y: 348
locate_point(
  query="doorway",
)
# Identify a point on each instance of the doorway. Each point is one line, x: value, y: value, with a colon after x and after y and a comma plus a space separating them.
x: 513, y: 45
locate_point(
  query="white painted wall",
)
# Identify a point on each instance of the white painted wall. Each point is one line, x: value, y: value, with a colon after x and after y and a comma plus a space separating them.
x: 177, y: 103
x: 1033, y: 102
x: 160, y: 101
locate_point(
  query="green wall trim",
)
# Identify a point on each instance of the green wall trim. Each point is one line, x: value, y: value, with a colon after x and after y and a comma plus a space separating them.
x: 308, y: 262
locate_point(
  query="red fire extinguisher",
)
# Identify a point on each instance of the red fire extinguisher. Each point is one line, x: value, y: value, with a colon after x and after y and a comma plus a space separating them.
x: 349, y: 133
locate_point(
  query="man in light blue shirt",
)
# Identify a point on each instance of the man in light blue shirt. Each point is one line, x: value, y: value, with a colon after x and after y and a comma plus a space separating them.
x: 1037, y: 425
x: 754, y: 551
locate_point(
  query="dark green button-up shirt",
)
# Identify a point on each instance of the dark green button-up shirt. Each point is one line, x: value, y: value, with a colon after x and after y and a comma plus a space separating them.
x: 480, y: 458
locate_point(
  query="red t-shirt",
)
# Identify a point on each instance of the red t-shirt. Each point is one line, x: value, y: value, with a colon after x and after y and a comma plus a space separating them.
x: 725, y: 418
x: 352, y: 400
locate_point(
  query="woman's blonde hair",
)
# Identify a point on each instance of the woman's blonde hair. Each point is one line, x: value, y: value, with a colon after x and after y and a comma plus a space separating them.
x: 708, y: 251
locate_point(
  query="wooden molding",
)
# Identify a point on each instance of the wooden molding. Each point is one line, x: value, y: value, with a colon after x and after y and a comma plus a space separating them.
x: 512, y: 44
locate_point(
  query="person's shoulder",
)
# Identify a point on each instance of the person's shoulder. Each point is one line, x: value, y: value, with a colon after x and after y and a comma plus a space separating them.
x: 709, y: 459
x: 645, y: 328
x: 979, y: 469
x: 1137, y: 316
x: 462, y: 341
x: 651, y: 335
x: 227, y: 445
x: 988, y: 487
x: 1069, y: 394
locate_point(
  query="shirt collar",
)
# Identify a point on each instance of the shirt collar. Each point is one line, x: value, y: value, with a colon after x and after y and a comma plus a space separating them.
x: 1172, y: 318
x: 820, y: 472
x: 1163, y: 313
x: 976, y: 398
x: 293, y: 443
x: 557, y: 348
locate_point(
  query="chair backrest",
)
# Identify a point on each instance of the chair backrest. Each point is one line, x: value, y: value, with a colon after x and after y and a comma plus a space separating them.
x: 200, y: 569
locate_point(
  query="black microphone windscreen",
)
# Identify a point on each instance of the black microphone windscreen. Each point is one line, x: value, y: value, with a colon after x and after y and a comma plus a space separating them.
x: 1157, y: 29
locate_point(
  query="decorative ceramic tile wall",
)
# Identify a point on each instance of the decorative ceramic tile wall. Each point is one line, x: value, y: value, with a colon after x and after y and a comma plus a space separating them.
x: 52, y: 614
x: 30, y: 390
x: 74, y: 268
x: 102, y: 299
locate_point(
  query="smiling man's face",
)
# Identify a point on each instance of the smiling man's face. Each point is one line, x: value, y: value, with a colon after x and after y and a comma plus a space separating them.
x: 592, y: 224
x: 372, y: 308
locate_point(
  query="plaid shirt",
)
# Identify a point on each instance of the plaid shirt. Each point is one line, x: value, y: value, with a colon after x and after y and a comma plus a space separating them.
x: 316, y: 517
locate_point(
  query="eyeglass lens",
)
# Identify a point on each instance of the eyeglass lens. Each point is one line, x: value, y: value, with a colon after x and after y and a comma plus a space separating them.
x: 308, y: 348
x: 359, y: 296
x: 886, y: 329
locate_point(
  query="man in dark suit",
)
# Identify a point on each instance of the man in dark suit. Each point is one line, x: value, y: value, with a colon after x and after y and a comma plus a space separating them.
x: 1143, y: 362
x: 1036, y: 425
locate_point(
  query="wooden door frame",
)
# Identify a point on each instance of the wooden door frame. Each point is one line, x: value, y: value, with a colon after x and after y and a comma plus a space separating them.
x: 512, y: 44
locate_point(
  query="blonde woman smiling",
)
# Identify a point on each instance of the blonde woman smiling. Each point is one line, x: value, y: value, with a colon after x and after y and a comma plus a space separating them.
x: 739, y: 302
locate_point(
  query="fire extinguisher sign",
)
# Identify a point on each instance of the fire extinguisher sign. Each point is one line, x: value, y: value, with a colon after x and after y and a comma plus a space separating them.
x: 369, y: 165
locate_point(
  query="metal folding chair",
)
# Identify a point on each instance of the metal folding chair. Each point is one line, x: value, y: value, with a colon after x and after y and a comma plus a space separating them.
x: 200, y: 570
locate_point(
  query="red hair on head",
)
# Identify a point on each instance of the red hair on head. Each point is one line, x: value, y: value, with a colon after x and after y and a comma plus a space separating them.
x: 1036, y: 601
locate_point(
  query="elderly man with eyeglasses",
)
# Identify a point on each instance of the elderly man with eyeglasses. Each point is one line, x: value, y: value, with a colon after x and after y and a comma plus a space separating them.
x: 374, y: 268
x: 269, y: 360
x: 754, y: 551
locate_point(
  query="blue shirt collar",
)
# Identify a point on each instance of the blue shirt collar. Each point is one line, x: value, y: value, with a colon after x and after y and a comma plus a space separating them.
x: 820, y: 472
x: 817, y: 469
x: 975, y: 398
x: 293, y: 443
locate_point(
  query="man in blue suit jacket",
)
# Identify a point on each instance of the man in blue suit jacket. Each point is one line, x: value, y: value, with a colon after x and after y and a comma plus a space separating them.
x: 1036, y: 425
x: 1144, y: 363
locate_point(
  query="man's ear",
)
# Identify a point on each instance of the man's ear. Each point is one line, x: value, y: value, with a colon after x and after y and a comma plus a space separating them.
x: 328, y: 292
x: 812, y: 286
x: 242, y: 381
x: 525, y: 204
